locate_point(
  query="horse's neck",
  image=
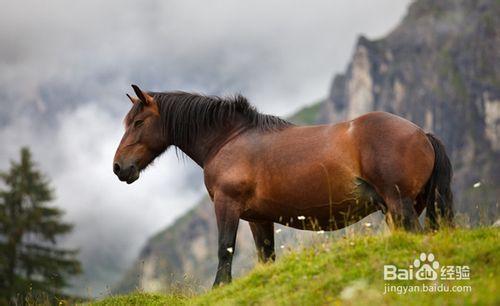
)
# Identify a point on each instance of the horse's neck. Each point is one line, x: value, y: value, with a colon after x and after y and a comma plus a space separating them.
x: 208, y: 143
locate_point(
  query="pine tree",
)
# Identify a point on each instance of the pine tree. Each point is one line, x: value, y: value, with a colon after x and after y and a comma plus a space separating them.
x: 30, y: 261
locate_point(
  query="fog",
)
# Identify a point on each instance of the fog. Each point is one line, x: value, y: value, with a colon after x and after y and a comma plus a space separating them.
x: 66, y: 66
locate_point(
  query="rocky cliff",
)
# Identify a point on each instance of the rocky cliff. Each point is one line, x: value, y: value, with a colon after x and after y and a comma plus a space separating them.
x: 440, y: 68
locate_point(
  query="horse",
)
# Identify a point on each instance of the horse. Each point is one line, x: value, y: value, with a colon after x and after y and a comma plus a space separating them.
x: 266, y: 170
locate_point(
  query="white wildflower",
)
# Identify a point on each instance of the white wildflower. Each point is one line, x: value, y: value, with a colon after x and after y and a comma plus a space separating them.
x: 478, y: 184
x: 230, y: 250
x: 282, y: 246
x: 368, y: 224
x: 301, y: 217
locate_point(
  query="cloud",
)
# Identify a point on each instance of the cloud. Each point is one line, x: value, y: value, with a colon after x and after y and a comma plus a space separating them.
x: 280, y: 53
x: 65, y: 67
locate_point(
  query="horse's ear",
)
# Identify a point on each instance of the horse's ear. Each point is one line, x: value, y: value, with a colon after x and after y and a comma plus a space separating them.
x: 143, y: 96
x: 132, y: 99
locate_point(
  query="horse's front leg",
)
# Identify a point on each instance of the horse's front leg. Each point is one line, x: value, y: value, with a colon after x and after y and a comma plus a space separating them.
x: 227, y: 214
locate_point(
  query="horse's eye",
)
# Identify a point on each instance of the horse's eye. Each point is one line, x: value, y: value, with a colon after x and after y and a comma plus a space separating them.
x: 138, y: 123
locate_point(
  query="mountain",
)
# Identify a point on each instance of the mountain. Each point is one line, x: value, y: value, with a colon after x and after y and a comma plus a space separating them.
x: 440, y: 68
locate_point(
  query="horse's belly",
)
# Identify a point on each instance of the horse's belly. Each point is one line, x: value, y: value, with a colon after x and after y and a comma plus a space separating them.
x: 322, y: 217
x: 314, y: 203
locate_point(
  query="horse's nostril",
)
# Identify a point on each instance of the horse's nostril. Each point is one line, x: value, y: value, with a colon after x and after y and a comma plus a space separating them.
x: 116, y: 168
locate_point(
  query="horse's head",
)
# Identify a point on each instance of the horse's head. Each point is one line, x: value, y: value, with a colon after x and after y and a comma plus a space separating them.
x: 143, y: 140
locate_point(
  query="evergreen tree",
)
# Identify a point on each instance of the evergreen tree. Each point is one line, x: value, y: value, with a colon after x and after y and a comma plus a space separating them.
x: 31, y: 264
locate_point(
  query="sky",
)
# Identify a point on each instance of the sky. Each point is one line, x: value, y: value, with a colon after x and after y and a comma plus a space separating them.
x: 65, y: 67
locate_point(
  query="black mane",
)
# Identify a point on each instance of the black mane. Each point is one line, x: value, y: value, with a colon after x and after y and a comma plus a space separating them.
x: 186, y: 115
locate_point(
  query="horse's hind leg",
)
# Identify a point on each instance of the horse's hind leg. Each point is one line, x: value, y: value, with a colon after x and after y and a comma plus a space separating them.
x: 227, y: 223
x: 401, y: 214
x: 263, y: 235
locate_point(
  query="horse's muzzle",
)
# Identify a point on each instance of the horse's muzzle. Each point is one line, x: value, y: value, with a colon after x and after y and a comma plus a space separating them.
x: 127, y: 174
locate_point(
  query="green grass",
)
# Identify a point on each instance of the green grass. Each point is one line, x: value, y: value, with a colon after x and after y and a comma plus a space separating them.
x: 139, y: 298
x: 349, y: 272
x: 307, y: 115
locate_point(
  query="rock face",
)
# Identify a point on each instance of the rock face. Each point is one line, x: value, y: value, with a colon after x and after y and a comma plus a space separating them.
x: 440, y: 68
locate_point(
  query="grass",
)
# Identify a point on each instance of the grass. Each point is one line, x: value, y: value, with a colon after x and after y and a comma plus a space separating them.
x: 350, y: 272
x: 140, y: 298
x: 307, y: 115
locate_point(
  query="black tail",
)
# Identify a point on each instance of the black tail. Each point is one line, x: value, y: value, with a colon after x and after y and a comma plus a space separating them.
x: 437, y: 192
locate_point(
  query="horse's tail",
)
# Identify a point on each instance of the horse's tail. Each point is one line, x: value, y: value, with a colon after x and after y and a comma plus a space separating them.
x: 437, y: 191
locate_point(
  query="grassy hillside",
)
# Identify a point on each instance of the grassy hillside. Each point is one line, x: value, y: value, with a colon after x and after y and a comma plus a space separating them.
x: 307, y: 115
x: 350, y: 272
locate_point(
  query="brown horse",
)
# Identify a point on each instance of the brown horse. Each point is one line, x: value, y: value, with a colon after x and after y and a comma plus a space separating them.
x: 263, y: 169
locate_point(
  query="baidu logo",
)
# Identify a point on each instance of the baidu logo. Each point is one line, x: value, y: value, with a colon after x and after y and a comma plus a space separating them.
x: 426, y: 267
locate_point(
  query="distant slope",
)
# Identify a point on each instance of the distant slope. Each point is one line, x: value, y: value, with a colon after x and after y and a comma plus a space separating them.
x: 349, y: 272
x: 307, y: 115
